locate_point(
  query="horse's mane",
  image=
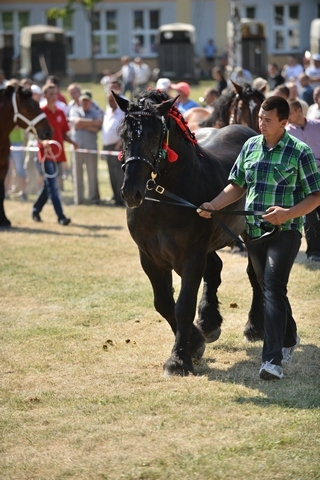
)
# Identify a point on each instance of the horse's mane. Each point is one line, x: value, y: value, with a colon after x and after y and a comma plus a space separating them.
x: 9, y: 89
x: 221, y: 106
x: 148, y: 101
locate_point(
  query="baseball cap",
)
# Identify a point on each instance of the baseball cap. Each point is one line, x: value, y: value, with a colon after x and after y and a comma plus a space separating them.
x: 85, y: 95
x: 182, y: 87
x: 163, y: 83
x: 36, y: 89
x: 316, y: 56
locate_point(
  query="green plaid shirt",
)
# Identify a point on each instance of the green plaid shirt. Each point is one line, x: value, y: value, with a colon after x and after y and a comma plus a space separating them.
x: 280, y: 176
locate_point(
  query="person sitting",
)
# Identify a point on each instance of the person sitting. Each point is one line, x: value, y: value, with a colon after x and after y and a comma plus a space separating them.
x: 183, y: 103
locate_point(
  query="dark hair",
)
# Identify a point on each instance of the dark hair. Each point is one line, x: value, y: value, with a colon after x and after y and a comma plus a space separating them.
x: 53, y: 79
x: 278, y: 103
x: 283, y: 89
x: 295, y: 104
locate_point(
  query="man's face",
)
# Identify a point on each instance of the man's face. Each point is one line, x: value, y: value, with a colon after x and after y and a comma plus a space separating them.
x: 86, y: 104
x: 269, y: 123
x: 74, y: 93
x: 294, y: 115
x: 51, y: 95
x: 316, y: 97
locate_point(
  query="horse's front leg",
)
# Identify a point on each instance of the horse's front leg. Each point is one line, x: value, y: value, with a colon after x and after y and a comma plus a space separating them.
x: 4, y: 222
x: 4, y: 165
x: 161, y: 281
x: 189, y: 341
x: 209, y: 318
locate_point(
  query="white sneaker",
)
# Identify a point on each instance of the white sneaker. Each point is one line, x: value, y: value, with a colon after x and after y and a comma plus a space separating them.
x: 269, y: 371
x: 287, y: 352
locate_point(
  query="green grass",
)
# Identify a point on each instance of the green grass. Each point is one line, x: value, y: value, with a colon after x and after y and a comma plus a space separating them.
x: 82, y: 395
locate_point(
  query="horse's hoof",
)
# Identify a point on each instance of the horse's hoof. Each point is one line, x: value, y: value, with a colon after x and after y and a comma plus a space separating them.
x: 213, y: 336
x: 5, y: 223
x: 176, y: 366
x: 252, y: 335
x: 198, y: 353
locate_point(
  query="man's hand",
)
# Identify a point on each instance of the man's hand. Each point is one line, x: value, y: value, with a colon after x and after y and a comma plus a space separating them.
x: 202, y: 213
x: 277, y: 215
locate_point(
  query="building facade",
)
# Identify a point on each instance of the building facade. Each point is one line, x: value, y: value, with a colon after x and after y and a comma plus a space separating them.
x: 130, y: 27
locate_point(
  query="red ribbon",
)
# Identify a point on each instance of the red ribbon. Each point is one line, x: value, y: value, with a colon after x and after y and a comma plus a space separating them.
x: 172, y: 156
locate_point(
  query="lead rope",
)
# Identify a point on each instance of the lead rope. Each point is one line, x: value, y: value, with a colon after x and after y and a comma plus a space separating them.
x: 53, y: 158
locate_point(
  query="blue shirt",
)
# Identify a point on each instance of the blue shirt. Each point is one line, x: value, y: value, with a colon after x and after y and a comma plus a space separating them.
x: 183, y: 107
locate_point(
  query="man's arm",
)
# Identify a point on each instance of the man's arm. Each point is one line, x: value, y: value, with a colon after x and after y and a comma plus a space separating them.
x: 66, y: 138
x: 87, y: 124
x: 231, y: 193
x: 278, y: 215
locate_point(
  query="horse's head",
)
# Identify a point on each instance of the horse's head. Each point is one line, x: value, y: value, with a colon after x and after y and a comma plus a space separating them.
x: 28, y: 114
x: 245, y: 107
x: 144, y: 135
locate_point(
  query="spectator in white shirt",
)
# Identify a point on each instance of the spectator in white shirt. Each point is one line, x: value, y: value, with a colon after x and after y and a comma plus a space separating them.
x: 142, y: 74
x: 313, y: 112
x: 112, y: 142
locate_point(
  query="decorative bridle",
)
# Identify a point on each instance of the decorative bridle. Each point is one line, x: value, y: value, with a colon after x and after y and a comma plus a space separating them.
x: 137, y: 135
x: 31, y: 123
x: 164, y: 151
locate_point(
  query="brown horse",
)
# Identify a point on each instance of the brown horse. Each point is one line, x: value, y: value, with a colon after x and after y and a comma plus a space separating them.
x: 239, y: 105
x: 17, y: 107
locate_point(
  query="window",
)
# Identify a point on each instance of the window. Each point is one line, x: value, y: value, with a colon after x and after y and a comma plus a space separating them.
x: 105, y: 33
x: 286, y: 32
x: 145, y: 24
x: 67, y: 24
x: 250, y: 12
x: 11, y: 24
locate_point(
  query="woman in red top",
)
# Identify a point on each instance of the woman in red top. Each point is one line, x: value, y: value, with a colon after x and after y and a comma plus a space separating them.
x: 51, y: 158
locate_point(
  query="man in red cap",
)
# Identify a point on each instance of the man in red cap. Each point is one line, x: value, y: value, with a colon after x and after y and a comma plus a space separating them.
x: 183, y: 103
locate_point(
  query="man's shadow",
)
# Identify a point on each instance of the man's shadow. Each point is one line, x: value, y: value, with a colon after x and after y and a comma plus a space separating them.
x: 300, y: 387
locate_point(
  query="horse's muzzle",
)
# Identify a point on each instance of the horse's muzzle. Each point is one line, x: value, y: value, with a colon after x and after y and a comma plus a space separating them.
x: 131, y: 200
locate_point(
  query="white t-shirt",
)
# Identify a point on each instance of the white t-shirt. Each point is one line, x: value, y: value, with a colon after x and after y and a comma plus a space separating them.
x: 313, y: 112
x: 313, y: 72
x: 110, y: 125
x: 293, y: 72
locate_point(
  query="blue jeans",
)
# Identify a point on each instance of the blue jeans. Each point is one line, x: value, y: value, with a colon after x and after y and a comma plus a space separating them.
x: 50, y: 190
x: 272, y: 262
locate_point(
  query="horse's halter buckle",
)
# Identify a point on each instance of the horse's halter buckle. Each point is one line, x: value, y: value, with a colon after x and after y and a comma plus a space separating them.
x: 31, y: 123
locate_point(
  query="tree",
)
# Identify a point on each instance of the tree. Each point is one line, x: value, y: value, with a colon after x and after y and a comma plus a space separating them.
x: 236, y: 45
x: 88, y: 7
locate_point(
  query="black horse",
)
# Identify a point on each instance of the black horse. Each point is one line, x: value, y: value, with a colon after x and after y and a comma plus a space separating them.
x: 157, y: 145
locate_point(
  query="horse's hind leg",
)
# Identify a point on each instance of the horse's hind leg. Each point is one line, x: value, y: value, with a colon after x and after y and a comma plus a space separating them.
x: 209, y: 318
x: 254, y: 328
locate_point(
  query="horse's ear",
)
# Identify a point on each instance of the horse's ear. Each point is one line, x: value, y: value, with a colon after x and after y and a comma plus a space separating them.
x: 237, y: 88
x: 122, y: 103
x: 164, y: 107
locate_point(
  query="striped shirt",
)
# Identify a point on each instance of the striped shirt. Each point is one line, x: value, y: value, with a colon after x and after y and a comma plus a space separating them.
x: 283, y: 175
x: 309, y: 134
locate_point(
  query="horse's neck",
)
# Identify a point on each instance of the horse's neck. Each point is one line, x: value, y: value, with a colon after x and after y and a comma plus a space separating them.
x: 6, y: 110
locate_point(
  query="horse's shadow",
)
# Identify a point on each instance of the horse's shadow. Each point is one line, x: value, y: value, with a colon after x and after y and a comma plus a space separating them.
x: 298, y: 389
x: 66, y: 232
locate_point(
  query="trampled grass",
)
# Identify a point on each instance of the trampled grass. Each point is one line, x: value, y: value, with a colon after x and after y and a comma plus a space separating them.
x: 82, y: 392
